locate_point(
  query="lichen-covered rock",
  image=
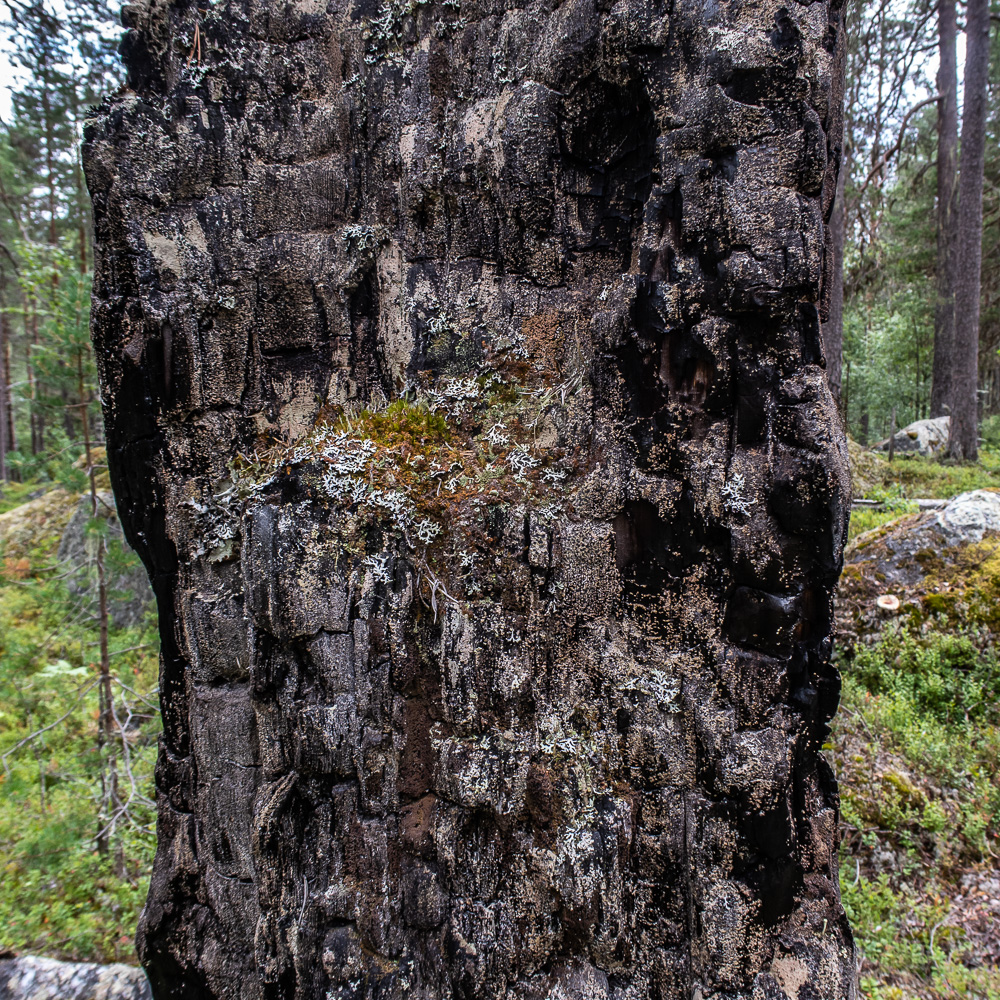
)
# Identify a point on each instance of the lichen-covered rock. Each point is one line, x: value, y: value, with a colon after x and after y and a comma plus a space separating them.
x: 940, y: 565
x: 969, y: 517
x: 32, y: 526
x: 464, y: 388
x: 922, y: 437
x: 898, y: 554
x: 30, y: 977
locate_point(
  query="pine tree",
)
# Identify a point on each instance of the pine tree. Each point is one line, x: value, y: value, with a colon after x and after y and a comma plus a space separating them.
x: 947, y: 209
x: 45, y: 226
x: 964, y: 441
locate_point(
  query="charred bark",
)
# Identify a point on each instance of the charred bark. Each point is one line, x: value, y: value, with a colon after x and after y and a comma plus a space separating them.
x: 465, y: 399
x: 833, y: 327
x: 832, y: 283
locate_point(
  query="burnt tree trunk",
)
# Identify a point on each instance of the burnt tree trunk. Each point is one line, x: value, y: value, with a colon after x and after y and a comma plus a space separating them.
x: 964, y: 440
x: 833, y: 326
x: 947, y: 210
x: 835, y: 217
x: 465, y: 399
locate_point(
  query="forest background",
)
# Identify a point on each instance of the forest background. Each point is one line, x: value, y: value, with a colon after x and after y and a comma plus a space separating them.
x: 78, y: 653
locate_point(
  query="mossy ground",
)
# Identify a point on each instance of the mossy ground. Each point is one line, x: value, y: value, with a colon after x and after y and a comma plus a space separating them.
x: 920, y: 825
x: 917, y: 748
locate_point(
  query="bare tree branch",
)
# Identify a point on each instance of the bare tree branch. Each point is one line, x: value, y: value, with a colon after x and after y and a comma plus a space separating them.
x: 898, y: 144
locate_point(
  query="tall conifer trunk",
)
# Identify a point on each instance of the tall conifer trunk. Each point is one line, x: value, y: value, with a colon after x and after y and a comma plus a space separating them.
x: 464, y: 396
x: 969, y: 240
x: 947, y: 210
x: 832, y: 284
x: 833, y: 327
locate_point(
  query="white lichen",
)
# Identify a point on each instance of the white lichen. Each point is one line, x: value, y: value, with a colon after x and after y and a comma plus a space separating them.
x: 521, y: 460
x: 380, y: 567
x: 397, y: 505
x: 496, y: 436
x: 361, y: 238
x: 737, y: 502
x: 658, y: 685
x: 426, y: 530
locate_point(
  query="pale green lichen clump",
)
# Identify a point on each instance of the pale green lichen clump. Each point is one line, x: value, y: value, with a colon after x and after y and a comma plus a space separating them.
x: 428, y: 470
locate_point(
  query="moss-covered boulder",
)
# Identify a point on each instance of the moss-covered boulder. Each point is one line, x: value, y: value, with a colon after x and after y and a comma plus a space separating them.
x: 942, y: 562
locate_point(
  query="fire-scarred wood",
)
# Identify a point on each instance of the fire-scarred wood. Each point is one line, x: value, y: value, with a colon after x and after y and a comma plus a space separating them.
x: 465, y: 398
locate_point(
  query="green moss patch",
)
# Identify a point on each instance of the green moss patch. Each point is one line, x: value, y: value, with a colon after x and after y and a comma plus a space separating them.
x: 432, y: 470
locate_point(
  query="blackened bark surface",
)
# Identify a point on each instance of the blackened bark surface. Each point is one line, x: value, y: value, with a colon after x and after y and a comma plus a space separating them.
x: 516, y: 688
x: 835, y: 216
x: 947, y: 210
x: 833, y: 326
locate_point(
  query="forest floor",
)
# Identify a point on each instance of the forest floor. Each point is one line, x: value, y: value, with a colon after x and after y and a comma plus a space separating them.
x: 916, y: 745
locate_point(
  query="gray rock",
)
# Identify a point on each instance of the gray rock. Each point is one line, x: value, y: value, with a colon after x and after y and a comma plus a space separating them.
x: 969, y: 517
x: 129, y: 593
x: 922, y: 437
x: 31, y: 977
x: 896, y: 552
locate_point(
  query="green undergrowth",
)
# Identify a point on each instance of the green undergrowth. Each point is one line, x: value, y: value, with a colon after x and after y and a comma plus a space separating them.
x: 15, y: 494
x: 918, y: 755
x: 59, y: 895
x: 908, y: 949
x: 919, y: 476
x: 894, y: 506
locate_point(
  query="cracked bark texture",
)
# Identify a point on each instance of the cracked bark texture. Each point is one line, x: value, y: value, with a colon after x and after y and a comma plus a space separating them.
x: 596, y: 773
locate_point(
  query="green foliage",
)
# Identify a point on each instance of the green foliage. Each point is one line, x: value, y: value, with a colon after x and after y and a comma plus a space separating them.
x: 895, y: 485
x: 989, y: 430
x: 56, y: 300
x: 54, y: 306
x: 889, y: 280
x: 66, y: 55
x: 888, y: 351
x: 933, y: 699
x: 893, y: 506
x: 891, y: 931
x: 942, y: 675
x: 908, y: 948
x: 17, y: 493
x: 59, y: 463
x: 889, y: 296
x: 918, y: 754
x: 867, y: 519
x: 58, y: 896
